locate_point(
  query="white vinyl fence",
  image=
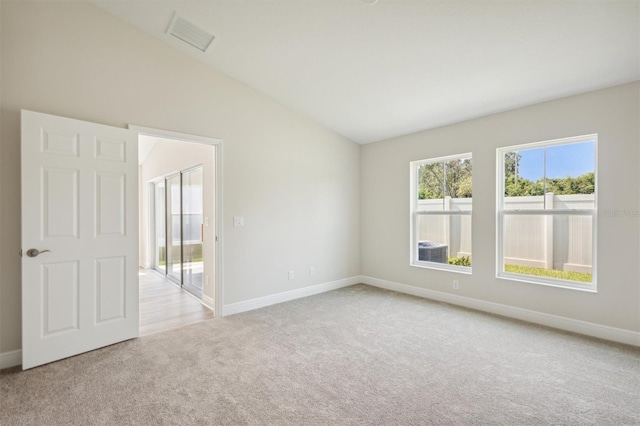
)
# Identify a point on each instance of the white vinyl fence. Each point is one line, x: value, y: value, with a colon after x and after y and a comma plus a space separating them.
x: 553, y: 242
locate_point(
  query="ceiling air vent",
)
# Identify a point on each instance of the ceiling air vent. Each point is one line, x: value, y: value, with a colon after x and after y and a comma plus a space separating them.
x: 184, y: 30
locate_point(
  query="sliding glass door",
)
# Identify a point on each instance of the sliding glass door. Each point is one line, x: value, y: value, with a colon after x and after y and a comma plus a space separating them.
x: 178, y: 224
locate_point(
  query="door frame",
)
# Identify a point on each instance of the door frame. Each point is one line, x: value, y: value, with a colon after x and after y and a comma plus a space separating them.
x: 218, y: 199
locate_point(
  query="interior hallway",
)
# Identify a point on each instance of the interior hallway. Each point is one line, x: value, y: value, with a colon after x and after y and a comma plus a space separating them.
x: 163, y: 305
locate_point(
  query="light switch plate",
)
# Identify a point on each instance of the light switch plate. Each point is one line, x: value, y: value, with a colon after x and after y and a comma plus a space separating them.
x: 238, y: 221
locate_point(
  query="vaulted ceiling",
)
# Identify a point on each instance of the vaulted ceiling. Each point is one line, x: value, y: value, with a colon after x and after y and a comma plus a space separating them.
x: 372, y: 70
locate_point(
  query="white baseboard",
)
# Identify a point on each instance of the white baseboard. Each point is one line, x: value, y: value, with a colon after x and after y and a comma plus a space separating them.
x: 14, y: 358
x: 576, y: 326
x: 261, y: 302
x: 208, y: 302
x: 10, y: 359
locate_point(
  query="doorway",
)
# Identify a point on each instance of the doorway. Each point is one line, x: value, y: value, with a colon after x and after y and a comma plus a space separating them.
x: 180, y: 205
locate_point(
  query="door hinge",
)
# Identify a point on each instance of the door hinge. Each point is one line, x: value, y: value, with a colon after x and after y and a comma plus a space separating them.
x: 216, y: 238
x: 20, y: 253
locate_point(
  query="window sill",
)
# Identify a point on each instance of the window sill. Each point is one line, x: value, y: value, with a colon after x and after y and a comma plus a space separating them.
x: 528, y: 279
x: 442, y: 267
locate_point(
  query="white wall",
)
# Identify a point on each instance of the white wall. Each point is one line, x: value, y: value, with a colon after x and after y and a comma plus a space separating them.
x: 295, y: 182
x: 299, y: 186
x: 169, y: 157
x: 612, y: 113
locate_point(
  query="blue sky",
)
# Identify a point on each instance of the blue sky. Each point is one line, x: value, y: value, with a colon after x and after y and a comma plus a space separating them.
x: 562, y: 161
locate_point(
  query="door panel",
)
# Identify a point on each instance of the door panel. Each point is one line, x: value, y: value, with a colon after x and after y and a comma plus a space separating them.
x: 193, y: 267
x: 60, y: 297
x: 174, y: 249
x: 160, y: 227
x: 79, y: 208
x: 111, y: 287
x: 60, y: 202
x: 111, y: 204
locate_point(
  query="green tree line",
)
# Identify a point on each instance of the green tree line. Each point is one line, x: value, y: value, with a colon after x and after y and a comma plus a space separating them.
x: 453, y: 178
x: 583, y: 184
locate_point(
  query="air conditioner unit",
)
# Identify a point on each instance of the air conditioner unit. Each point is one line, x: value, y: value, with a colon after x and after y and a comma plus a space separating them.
x: 433, y: 252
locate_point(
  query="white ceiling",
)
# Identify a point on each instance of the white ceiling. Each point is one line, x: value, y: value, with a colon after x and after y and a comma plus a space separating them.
x: 377, y: 71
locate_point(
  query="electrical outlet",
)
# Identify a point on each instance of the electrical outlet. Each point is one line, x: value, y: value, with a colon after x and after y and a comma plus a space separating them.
x: 312, y: 271
x: 290, y: 275
x: 456, y: 285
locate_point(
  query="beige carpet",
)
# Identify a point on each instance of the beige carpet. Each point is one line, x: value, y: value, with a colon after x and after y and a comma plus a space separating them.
x: 358, y: 355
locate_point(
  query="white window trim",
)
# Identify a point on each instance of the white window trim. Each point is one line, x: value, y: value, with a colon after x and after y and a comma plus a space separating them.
x: 413, y: 216
x: 500, y: 214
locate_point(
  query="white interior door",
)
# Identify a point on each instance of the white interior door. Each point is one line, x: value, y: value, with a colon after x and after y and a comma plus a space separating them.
x: 79, y: 211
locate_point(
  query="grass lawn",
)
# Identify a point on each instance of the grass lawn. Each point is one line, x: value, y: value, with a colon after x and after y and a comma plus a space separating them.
x: 551, y: 273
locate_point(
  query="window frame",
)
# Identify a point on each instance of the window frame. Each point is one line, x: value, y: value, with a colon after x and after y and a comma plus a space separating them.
x: 414, y: 214
x: 501, y: 213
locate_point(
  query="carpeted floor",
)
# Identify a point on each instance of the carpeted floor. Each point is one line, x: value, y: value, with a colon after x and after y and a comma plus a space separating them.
x: 358, y: 355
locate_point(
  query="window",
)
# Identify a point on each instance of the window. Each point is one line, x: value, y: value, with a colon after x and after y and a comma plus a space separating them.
x: 441, y: 213
x: 546, y: 212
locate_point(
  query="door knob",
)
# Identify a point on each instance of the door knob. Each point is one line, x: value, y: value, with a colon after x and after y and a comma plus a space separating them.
x: 35, y: 252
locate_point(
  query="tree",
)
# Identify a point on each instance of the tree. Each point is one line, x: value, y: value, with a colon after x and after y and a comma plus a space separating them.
x: 583, y: 184
x: 452, y: 178
x: 511, y: 163
x: 464, y: 187
x: 522, y: 187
